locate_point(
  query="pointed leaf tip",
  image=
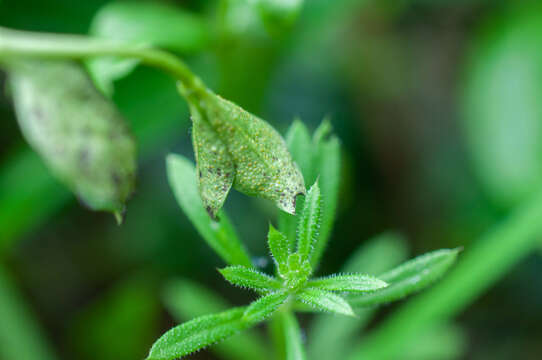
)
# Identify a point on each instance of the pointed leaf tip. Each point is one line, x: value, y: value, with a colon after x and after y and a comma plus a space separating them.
x: 250, y: 278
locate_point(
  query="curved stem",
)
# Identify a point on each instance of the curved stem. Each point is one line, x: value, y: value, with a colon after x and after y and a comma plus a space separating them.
x: 15, y: 43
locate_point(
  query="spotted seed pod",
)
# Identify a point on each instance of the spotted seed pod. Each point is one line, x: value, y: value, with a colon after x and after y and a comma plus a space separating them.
x: 79, y: 133
x: 244, y: 146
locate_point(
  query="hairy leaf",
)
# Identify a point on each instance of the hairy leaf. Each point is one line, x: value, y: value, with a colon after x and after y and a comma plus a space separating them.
x: 278, y: 244
x: 220, y: 235
x: 186, y: 299
x: 264, y: 307
x: 349, y: 282
x: 299, y: 144
x: 410, y: 277
x: 309, y: 223
x: 263, y: 166
x: 318, y: 158
x: 328, y: 169
x: 292, y: 337
x: 250, y: 278
x: 80, y: 134
x: 145, y: 23
x: 331, y: 337
x: 197, y: 334
x: 325, y: 301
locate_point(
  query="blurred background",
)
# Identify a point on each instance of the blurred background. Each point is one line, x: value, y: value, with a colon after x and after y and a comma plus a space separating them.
x: 438, y: 105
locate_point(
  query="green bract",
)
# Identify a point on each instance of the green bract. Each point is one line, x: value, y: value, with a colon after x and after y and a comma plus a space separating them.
x: 79, y: 133
x: 234, y: 147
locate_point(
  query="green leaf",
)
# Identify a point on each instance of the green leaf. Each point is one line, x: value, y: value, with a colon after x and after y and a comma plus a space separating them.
x: 279, y: 246
x: 410, y: 277
x: 350, y: 282
x: 80, y: 134
x: 331, y: 337
x: 250, y: 278
x: 320, y: 158
x: 146, y: 23
x: 186, y: 300
x: 263, y: 166
x: 309, y: 223
x: 299, y: 144
x: 328, y: 169
x: 264, y: 307
x: 292, y: 337
x: 197, y: 334
x: 325, y: 301
x: 220, y: 235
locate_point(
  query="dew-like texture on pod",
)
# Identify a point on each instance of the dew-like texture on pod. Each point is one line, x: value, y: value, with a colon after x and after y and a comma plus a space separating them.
x: 263, y: 165
x: 79, y: 133
x: 215, y: 169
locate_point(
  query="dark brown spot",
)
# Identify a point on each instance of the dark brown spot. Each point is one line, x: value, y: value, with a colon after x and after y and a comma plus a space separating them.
x: 200, y: 175
x: 211, y: 214
x: 116, y: 178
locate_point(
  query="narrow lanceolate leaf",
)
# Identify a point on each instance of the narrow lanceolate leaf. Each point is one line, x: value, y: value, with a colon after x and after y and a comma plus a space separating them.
x: 325, y: 301
x: 186, y: 300
x: 410, y: 277
x: 309, y: 223
x: 264, y: 307
x: 279, y: 246
x: 292, y: 337
x: 197, y: 334
x: 299, y: 144
x: 328, y: 168
x: 215, y: 168
x: 250, y: 278
x: 350, y: 282
x: 319, y: 158
x: 220, y: 235
x: 80, y: 134
x: 263, y: 166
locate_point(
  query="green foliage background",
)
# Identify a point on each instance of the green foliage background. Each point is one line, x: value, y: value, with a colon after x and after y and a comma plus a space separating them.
x: 437, y: 106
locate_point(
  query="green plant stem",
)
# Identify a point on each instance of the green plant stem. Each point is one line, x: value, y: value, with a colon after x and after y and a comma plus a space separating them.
x: 15, y: 43
x: 481, y: 265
